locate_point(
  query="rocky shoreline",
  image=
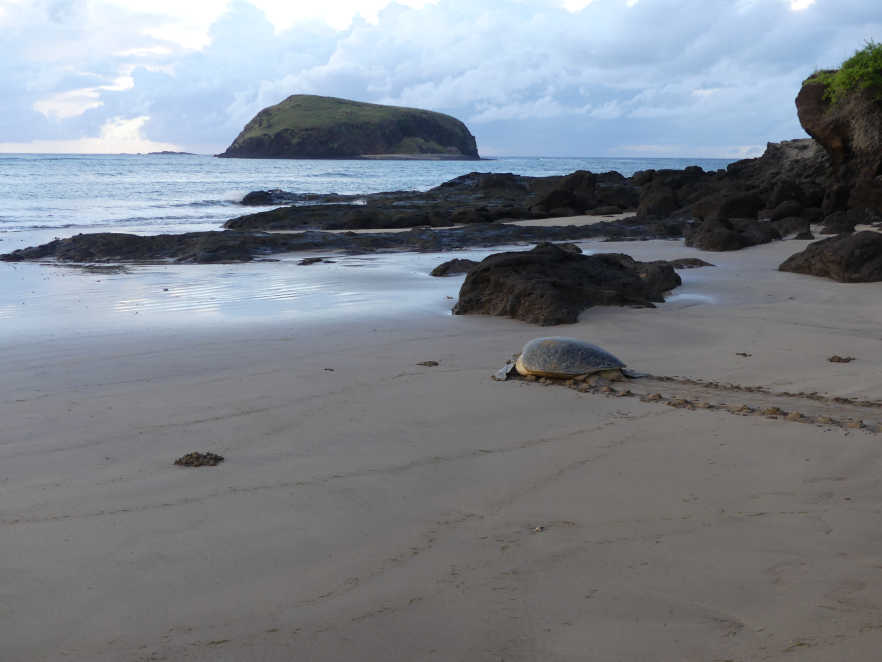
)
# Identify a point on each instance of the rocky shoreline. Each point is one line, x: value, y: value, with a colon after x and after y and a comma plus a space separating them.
x: 825, y: 184
x: 241, y: 246
x: 779, y: 195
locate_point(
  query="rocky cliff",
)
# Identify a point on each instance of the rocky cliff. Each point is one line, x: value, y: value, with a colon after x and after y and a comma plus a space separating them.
x: 313, y: 127
x: 842, y: 110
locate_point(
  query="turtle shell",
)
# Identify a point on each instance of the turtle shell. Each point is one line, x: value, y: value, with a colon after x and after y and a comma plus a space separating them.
x: 564, y: 357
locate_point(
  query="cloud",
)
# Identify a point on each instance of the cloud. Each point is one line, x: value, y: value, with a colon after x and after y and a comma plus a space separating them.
x: 118, y: 136
x: 73, y: 103
x: 339, y: 14
x: 717, y: 152
x: 550, y: 77
x: 543, y: 107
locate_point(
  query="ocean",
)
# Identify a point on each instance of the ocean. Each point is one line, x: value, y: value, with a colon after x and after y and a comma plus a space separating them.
x: 48, y: 196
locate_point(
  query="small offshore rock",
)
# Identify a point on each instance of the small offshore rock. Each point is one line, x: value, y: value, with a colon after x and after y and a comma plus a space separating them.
x: 689, y: 263
x: 840, y: 359
x: 453, y: 267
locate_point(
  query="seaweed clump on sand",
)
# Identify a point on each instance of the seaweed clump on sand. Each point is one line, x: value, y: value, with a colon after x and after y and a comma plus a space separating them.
x: 196, y: 459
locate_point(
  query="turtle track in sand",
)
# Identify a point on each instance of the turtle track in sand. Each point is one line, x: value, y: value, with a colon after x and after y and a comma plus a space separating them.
x: 694, y: 394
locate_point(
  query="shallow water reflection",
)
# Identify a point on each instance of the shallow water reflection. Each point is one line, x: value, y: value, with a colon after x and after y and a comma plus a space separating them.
x: 691, y: 298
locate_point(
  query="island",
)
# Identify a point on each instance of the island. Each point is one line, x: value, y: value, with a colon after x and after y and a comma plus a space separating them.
x: 306, y: 126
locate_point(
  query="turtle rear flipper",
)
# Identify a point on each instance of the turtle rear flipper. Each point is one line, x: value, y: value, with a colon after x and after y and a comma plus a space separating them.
x: 504, y: 372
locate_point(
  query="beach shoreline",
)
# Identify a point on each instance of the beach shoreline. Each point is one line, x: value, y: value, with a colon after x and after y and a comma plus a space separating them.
x: 370, y: 507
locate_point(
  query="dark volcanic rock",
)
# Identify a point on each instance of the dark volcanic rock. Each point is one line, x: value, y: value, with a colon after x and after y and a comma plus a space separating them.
x: 606, y: 210
x: 197, y: 247
x: 472, y: 198
x: 855, y: 258
x: 658, y: 276
x: 790, y: 171
x: 688, y: 263
x: 785, y: 209
x: 568, y: 246
x: 548, y: 285
x: 454, y: 267
x: 239, y: 246
x: 730, y: 235
x: 802, y: 163
x: 277, y: 197
x: 726, y: 206
x: 657, y: 200
x: 497, y: 182
x: 785, y: 190
x: 791, y: 226
x: 272, y: 197
x: 813, y: 214
x: 838, y: 223
x: 572, y: 195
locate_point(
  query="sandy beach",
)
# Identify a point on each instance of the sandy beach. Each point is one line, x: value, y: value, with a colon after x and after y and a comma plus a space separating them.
x: 371, y: 508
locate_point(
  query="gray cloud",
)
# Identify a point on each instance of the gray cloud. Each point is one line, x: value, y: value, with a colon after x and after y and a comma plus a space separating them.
x: 687, y: 77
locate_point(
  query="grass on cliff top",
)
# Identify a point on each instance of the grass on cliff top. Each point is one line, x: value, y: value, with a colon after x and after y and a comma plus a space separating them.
x: 862, y: 71
x: 306, y: 111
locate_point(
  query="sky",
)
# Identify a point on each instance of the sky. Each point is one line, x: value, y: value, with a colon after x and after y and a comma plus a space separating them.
x: 689, y: 78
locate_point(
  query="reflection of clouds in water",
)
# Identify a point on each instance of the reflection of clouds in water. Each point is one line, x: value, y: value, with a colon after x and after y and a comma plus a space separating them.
x: 174, y: 295
x: 690, y: 298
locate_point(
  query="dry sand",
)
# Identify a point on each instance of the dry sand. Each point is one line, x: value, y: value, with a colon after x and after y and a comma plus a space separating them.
x: 374, y: 509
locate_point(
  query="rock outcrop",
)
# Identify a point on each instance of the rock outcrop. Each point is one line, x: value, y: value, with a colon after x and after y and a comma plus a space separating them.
x: 242, y: 246
x: 789, y: 179
x: 849, y: 126
x: 454, y: 267
x: 848, y: 258
x: 472, y: 198
x: 305, y: 126
x: 718, y: 234
x: 549, y: 285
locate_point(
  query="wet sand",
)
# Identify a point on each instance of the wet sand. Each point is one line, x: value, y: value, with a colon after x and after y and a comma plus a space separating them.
x: 581, y: 219
x: 371, y: 508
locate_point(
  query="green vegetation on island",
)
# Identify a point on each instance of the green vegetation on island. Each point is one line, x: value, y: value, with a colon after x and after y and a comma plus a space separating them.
x: 309, y: 126
x: 862, y: 71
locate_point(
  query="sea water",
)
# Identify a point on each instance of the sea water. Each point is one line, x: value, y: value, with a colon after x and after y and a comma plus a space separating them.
x: 48, y: 196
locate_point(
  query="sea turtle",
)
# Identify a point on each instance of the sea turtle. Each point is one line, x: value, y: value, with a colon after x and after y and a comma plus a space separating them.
x: 566, y: 357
